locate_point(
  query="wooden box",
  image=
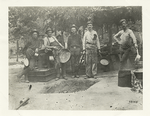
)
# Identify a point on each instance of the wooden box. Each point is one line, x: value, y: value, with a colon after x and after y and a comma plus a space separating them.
x: 124, y: 78
x: 139, y: 73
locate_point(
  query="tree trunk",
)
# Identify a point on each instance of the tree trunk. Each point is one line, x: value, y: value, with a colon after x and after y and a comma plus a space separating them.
x: 17, y: 51
x: 110, y: 37
x: 110, y: 46
x: 102, y: 31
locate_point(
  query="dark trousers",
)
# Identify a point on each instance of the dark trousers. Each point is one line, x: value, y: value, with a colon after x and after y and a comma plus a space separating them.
x: 32, y: 61
x: 60, y: 67
x: 75, y: 56
x: 126, y: 54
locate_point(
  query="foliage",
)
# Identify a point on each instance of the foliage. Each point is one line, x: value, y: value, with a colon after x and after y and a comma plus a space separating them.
x: 23, y: 19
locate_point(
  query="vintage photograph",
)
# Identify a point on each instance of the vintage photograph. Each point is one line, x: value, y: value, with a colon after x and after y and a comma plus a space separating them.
x: 75, y: 58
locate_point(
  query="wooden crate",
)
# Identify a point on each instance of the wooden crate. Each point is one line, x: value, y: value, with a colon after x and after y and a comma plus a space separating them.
x: 124, y: 78
x: 139, y: 73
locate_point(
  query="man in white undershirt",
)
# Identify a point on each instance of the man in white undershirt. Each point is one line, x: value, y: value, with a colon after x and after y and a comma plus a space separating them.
x: 90, y: 46
x: 128, y: 44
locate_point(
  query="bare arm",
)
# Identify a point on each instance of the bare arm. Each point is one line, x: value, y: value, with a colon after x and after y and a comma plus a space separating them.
x: 45, y: 42
x: 84, y: 38
x: 117, y: 37
x: 80, y: 41
x: 133, y: 38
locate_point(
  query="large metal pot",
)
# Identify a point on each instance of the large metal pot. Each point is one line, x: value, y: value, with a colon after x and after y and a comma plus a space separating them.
x: 104, y: 62
x: 64, y: 55
x: 26, y: 62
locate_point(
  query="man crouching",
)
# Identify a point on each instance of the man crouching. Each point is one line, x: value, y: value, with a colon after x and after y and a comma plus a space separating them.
x: 31, y: 51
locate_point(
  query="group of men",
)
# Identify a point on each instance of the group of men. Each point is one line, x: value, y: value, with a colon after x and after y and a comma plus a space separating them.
x: 88, y: 45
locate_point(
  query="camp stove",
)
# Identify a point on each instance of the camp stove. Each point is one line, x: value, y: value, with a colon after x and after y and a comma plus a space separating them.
x: 42, y: 73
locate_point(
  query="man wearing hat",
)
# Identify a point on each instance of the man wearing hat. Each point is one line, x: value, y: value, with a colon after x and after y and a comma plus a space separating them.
x: 75, y: 46
x: 128, y: 44
x: 60, y: 39
x: 90, y: 45
x: 52, y: 44
x: 31, y: 50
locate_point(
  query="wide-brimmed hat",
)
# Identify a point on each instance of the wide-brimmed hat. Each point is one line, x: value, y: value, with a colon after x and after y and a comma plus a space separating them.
x: 34, y: 30
x: 122, y: 20
x: 89, y: 22
x: 49, y: 29
x: 73, y: 26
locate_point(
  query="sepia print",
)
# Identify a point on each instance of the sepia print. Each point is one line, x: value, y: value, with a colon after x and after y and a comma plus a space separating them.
x: 75, y: 58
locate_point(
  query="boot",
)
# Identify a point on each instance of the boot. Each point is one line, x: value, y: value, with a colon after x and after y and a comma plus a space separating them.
x: 77, y: 76
x: 57, y: 77
x: 24, y: 72
x: 73, y: 76
x: 26, y: 78
x: 94, y: 77
x: 76, y: 72
x: 65, y: 77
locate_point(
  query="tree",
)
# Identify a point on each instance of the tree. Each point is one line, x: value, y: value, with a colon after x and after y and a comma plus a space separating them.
x: 23, y: 19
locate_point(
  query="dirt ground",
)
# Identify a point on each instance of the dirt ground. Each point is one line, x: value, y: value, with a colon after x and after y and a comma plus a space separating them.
x: 73, y: 94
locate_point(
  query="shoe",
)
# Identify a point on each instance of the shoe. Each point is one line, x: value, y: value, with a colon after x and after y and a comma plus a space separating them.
x: 56, y: 79
x: 27, y: 81
x: 65, y: 78
x: 73, y: 76
x: 94, y: 77
x: 86, y: 77
x: 36, y: 67
x: 61, y: 77
x: 77, y: 76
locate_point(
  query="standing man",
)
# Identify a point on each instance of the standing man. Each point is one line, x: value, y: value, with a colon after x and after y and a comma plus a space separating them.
x: 128, y: 44
x: 75, y: 46
x: 90, y: 45
x: 30, y: 50
x: 63, y: 65
x: 52, y: 44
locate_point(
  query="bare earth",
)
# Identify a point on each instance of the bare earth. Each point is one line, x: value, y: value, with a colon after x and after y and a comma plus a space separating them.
x: 102, y: 94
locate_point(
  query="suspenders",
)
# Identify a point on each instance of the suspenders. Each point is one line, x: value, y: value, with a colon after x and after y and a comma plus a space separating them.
x: 56, y: 41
